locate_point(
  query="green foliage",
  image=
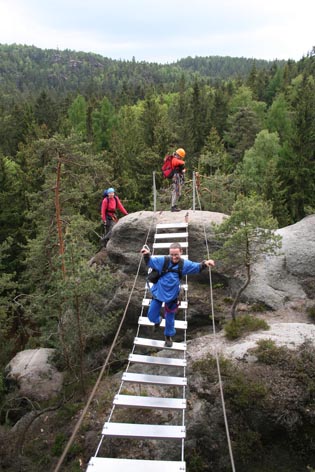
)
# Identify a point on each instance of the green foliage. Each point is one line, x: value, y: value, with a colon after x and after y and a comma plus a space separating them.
x: 103, y: 122
x: 247, y: 442
x: 207, y: 366
x: 258, y: 170
x: 59, y: 444
x: 242, y: 325
x: 311, y: 312
x: 196, y: 462
x: 245, y: 236
x: 77, y: 115
x: 243, y: 124
x: 213, y: 154
x: 243, y: 392
x: 269, y: 353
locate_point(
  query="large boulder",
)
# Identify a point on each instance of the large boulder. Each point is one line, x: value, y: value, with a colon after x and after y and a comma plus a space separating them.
x: 122, y: 255
x: 291, y: 274
x: 137, y: 229
x: 32, y: 372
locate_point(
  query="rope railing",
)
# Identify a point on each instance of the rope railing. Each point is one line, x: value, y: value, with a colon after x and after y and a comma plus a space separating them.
x: 100, y: 376
x: 216, y: 351
x: 195, y: 195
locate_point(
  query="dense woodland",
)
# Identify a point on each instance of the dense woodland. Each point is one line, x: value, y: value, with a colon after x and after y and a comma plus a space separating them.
x: 72, y: 124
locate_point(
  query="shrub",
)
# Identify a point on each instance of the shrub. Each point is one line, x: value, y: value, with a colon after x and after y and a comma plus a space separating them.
x: 208, y: 367
x: 58, y: 446
x: 269, y: 353
x: 242, y: 325
x: 244, y: 392
x: 311, y: 312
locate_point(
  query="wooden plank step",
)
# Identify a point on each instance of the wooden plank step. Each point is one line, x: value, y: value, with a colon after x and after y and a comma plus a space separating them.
x: 101, y: 464
x: 154, y: 379
x: 159, y: 344
x: 135, y: 401
x: 171, y: 235
x: 149, y: 431
x: 168, y: 361
x: 183, y: 304
x: 165, y: 245
x: 171, y: 225
x: 144, y: 321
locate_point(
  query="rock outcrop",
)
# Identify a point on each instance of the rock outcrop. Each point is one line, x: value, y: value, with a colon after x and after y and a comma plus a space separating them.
x: 276, y: 280
x: 34, y: 375
x: 138, y: 228
x: 291, y: 274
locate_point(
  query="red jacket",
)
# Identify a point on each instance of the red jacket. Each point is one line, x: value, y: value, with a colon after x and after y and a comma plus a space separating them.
x: 109, y: 206
x: 177, y: 162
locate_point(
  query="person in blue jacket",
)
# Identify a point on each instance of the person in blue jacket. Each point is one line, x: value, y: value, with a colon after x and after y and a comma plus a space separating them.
x: 168, y: 286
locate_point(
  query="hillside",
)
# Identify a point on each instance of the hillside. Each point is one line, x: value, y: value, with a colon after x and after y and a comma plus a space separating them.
x: 29, y: 69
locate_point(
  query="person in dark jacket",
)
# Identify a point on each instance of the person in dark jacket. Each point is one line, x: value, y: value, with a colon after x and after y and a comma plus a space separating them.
x: 110, y: 204
x: 168, y: 286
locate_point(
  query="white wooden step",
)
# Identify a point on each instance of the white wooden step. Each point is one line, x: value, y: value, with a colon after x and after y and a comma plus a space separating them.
x: 102, y: 464
x: 154, y: 379
x: 183, y: 304
x: 171, y: 235
x: 171, y: 225
x: 159, y: 344
x: 169, y: 361
x: 135, y: 401
x: 165, y: 245
x: 144, y: 321
x: 151, y: 431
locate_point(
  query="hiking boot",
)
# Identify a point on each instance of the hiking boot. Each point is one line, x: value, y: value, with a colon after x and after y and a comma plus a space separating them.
x: 168, y: 341
x: 174, y: 208
x: 157, y: 325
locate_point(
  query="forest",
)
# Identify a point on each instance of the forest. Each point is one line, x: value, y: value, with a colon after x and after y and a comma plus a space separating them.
x: 73, y: 124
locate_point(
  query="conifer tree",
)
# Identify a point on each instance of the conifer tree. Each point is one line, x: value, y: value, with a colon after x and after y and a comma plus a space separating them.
x: 246, y: 235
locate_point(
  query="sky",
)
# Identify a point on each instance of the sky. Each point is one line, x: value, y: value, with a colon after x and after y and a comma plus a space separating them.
x: 163, y: 31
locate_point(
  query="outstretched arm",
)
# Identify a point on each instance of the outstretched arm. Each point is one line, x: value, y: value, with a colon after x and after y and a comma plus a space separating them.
x: 207, y: 263
x: 121, y: 207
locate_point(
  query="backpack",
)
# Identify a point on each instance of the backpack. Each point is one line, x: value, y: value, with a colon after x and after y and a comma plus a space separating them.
x: 167, y: 170
x: 154, y: 275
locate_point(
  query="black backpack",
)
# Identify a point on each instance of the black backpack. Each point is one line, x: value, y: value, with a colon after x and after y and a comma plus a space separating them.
x: 154, y: 275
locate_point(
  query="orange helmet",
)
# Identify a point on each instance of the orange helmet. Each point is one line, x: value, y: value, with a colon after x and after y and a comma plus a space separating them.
x: 181, y: 152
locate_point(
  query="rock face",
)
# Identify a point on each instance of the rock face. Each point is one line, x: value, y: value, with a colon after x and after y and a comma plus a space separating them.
x: 276, y: 280
x: 137, y: 229
x: 34, y: 375
x: 290, y: 275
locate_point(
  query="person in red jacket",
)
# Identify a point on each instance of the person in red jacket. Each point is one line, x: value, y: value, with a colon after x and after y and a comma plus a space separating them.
x: 110, y: 204
x: 178, y: 178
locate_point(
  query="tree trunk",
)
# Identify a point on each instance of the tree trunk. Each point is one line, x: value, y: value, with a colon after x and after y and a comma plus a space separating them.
x: 58, y: 218
x: 239, y: 292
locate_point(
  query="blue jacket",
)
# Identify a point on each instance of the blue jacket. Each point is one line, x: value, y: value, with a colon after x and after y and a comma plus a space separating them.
x: 167, y: 287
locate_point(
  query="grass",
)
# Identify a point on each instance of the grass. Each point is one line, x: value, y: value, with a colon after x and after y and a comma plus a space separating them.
x: 243, y: 324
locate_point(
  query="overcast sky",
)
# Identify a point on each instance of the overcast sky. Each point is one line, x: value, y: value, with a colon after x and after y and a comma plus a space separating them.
x: 163, y: 30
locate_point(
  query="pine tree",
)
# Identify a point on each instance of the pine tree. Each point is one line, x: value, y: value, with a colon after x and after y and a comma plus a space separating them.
x: 246, y: 235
